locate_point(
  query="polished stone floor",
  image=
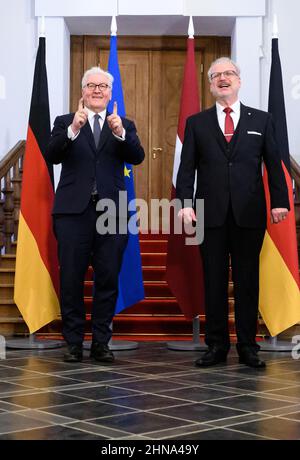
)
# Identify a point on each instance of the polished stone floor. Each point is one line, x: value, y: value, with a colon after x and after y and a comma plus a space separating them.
x: 150, y: 393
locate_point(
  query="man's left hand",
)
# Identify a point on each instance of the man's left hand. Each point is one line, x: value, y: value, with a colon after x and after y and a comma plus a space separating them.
x: 278, y: 215
x: 115, y: 122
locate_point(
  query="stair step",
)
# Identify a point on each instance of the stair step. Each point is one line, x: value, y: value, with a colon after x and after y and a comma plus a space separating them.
x: 154, y: 273
x: 6, y: 291
x: 12, y: 329
x: 159, y: 324
x: 8, y: 261
x: 150, y: 273
x: 157, y: 259
x: 153, y: 305
x: 157, y: 289
x: 152, y: 289
x: 9, y: 308
x: 152, y: 237
x: 13, y: 247
x: 11, y: 319
x: 153, y: 246
x: 7, y: 275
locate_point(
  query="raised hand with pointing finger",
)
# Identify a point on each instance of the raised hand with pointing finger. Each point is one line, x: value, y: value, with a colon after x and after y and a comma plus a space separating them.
x: 80, y: 117
x: 114, y: 121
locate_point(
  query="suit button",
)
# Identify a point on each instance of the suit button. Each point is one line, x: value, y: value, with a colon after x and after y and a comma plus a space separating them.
x: 230, y: 164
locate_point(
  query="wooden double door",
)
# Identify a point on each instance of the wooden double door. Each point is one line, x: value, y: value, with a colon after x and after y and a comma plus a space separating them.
x: 152, y: 72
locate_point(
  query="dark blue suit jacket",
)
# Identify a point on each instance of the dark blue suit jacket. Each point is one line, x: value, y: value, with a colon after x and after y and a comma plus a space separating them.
x: 82, y: 163
x: 231, y: 172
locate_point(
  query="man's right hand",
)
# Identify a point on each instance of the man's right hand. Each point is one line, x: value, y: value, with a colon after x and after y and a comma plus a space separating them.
x: 187, y: 215
x: 80, y: 118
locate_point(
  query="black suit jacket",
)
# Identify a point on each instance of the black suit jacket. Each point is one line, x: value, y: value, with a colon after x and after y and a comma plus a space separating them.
x: 231, y: 172
x: 82, y: 163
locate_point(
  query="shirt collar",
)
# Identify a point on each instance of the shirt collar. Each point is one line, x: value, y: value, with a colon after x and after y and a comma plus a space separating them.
x: 236, y: 107
x: 91, y: 114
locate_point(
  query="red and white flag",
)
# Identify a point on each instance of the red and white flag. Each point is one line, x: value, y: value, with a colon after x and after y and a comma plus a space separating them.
x: 184, y: 266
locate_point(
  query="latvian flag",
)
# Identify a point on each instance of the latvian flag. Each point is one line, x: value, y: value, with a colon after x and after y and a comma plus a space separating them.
x: 184, y: 265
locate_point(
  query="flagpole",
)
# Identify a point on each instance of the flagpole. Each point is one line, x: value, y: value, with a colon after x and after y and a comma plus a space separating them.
x: 195, y: 344
x: 31, y: 342
x: 272, y: 343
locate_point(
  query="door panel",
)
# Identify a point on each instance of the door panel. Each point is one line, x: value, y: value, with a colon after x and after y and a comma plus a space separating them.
x: 167, y: 74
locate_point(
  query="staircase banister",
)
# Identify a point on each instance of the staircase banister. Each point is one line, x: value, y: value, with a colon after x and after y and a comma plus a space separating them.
x: 11, y: 158
x: 295, y: 171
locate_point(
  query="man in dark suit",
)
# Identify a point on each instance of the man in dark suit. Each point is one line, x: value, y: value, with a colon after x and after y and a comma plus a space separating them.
x: 92, y: 147
x: 226, y: 146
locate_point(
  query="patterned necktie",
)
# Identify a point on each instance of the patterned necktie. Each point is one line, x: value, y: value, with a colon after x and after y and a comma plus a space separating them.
x: 229, y: 126
x: 97, y: 129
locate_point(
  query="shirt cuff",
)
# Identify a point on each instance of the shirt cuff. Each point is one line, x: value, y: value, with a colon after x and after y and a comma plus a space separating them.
x: 71, y: 135
x: 121, y: 138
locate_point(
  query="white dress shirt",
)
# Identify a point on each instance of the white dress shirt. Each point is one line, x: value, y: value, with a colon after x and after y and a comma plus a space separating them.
x: 235, y: 114
x: 91, y: 115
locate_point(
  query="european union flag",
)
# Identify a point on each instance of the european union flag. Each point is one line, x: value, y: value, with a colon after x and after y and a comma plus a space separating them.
x: 131, y: 287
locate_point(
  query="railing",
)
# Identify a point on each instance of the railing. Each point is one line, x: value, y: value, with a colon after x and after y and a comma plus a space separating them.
x: 10, y: 195
x: 295, y: 172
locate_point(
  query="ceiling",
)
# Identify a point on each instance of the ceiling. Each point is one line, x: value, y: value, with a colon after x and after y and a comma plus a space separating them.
x: 151, y: 25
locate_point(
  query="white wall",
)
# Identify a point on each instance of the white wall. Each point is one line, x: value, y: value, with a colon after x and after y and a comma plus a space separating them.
x: 249, y: 61
x: 58, y: 65
x: 18, y: 40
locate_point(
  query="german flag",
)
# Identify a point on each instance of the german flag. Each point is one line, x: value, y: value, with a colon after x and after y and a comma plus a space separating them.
x: 279, y: 299
x: 36, y: 279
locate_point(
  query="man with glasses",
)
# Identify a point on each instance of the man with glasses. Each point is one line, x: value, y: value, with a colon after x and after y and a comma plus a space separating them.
x: 226, y: 146
x: 92, y: 146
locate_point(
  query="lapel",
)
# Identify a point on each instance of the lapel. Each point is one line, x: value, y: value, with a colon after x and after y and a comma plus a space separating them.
x: 245, y: 115
x: 216, y: 130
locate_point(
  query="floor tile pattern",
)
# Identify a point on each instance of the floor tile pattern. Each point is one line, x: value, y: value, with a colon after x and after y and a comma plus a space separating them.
x: 150, y: 393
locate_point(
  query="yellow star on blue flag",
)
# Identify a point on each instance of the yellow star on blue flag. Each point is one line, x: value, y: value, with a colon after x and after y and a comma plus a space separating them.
x: 127, y: 172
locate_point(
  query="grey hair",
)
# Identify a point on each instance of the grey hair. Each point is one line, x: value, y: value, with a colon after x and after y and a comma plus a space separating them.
x: 93, y: 71
x: 223, y: 60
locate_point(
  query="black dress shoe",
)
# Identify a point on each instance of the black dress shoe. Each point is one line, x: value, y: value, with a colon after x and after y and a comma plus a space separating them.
x: 212, y: 356
x: 250, y: 357
x: 101, y: 353
x: 73, y: 354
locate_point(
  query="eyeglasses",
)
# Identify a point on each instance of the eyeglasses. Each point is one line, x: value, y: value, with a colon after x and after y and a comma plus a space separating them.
x: 226, y: 73
x: 101, y: 86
